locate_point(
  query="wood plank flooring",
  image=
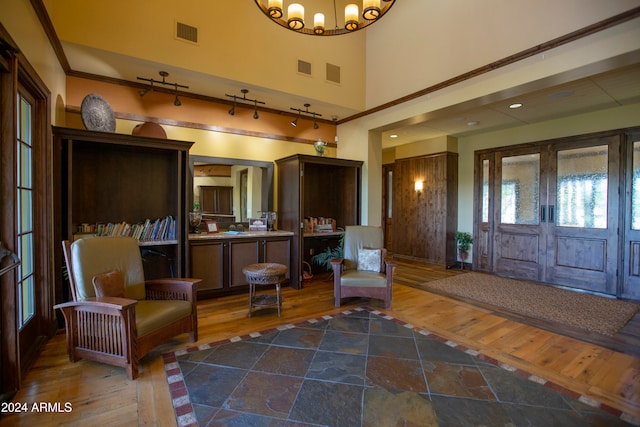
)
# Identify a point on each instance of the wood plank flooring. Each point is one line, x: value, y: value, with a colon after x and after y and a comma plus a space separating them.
x: 102, y: 395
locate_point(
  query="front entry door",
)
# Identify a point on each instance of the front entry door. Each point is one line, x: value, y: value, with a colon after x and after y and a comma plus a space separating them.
x: 556, y: 213
x: 582, y: 215
x: 519, y: 238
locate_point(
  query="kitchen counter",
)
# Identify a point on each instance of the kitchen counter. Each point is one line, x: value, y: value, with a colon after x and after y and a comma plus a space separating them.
x: 223, y: 235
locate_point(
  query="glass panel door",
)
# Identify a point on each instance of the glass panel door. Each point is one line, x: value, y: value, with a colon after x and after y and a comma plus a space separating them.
x: 582, y: 215
x: 631, y: 279
x: 518, y: 242
x: 24, y: 215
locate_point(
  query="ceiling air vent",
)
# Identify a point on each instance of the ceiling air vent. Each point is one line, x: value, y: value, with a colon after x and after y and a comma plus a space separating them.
x: 186, y: 32
x: 304, y: 67
x: 333, y: 73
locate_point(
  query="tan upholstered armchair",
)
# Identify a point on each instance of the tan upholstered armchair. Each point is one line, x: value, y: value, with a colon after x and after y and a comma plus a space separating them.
x: 121, y: 329
x: 364, y: 270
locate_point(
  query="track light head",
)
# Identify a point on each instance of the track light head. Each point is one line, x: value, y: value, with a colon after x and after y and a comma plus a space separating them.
x: 255, y: 115
x: 294, y: 122
x: 232, y: 111
x: 255, y: 110
x: 177, y: 102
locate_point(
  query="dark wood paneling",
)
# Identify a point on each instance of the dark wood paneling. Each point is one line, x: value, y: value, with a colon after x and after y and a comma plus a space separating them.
x: 426, y: 221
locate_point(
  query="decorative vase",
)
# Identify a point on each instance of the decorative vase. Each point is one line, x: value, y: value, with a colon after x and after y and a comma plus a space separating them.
x: 195, y: 218
x: 320, y: 146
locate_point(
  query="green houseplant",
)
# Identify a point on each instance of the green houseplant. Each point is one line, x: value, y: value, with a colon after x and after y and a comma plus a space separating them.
x: 464, y: 241
x: 324, y: 258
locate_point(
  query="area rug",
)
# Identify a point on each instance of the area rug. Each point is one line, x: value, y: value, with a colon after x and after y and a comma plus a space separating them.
x: 582, y: 310
x: 363, y: 368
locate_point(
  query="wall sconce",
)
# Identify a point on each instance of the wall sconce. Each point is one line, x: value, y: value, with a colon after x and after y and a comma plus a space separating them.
x: 418, y: 187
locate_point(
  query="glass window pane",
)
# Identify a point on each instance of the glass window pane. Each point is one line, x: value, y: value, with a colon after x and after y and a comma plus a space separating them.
x: 25, y: 166
x: 520, y: 189
x: 26, y: 203
x: 27, y: 309
x: 581, y: 193
x: 635, y: 188
x: 24, y: 121
x: 26, y: 258
x: 485, y: 191
x: 390, y: 195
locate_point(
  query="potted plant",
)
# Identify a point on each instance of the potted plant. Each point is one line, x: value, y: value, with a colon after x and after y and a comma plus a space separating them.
x: 464, y: 241
x: 324, y: 258
x: 320, y: 145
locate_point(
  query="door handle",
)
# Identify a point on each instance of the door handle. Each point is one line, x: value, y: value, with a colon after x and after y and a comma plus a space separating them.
x: 543, y: 213
x: 551, y: 213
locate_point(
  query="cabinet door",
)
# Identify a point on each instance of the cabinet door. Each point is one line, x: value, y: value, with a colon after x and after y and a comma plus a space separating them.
x: 278, y: 251
x: 241, y: 254
x: 207, y: 264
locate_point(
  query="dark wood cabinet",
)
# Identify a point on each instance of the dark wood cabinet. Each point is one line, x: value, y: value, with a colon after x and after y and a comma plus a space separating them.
x: 103, y: 177
x: 314, y: 186
x: 216, y: 199
x: 219, y: 261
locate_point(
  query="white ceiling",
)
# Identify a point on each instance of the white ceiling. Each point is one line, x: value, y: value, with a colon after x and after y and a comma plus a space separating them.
x: 610, y: 89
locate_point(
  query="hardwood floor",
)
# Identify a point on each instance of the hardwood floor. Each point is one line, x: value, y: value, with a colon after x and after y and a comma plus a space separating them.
x: 102, y: 395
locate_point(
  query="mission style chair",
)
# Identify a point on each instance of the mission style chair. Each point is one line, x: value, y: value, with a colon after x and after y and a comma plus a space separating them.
x: 364, y: 271
x: 116, y: 317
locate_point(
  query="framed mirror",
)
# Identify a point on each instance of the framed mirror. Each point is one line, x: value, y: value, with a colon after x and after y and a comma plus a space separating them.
x: 230, y: 191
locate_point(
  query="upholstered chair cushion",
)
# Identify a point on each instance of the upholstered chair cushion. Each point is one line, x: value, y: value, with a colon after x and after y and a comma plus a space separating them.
x: 152, y: 315
x: 95, y: 256
x: 109, y: 284
x: 358, y: 237
x: 369, y: 260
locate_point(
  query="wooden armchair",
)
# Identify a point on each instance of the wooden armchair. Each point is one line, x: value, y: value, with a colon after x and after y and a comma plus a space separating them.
x: 364, y: 270
x: 121, y: 329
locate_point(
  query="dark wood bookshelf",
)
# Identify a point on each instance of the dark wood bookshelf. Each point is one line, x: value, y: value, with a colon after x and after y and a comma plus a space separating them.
x: 102, y: 177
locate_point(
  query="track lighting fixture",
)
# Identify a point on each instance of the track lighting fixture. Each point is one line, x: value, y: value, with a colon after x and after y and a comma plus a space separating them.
x: 176, y: 101
x: 294, y: 123
x: 164, y: 82
x: 243, y: 98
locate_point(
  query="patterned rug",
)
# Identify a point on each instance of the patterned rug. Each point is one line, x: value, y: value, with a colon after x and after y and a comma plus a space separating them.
x: 363, y: 368
x: 582, y: 310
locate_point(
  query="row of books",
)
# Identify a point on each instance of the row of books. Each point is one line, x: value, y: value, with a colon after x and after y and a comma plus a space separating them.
x: 319, y: 225
x: 160, y: 229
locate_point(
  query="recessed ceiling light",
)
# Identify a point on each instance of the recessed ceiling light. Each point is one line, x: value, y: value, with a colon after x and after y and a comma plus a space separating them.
x: 472, y: 123
x: 393, y: 136
x: 515, y: 105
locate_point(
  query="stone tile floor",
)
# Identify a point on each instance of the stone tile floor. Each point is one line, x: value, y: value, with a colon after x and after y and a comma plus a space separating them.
x: 362, y: 368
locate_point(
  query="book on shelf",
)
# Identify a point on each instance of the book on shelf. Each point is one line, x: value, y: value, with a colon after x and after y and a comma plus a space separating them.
x: 160, y: 229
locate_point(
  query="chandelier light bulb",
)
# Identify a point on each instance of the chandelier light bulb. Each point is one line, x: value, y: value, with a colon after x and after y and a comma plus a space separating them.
x: 371, y: 9
x: 275, y: 8
x: 318, y: 23
x: 296, y: 16
x: 351, y: 17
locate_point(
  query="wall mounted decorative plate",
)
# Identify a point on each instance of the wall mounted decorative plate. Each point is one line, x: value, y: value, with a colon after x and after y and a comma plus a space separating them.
x: 97, y: 114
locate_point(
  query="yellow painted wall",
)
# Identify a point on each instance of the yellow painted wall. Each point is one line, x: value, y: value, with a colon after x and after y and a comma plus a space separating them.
x: 24, y: 27
x: 235, y: 42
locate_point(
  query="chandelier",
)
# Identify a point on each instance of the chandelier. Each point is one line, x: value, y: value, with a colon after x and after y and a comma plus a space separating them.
x: 353, y: 18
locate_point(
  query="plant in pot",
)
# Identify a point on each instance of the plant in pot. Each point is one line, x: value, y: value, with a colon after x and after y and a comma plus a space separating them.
x: 464, y: 241
x: 324, y: 258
